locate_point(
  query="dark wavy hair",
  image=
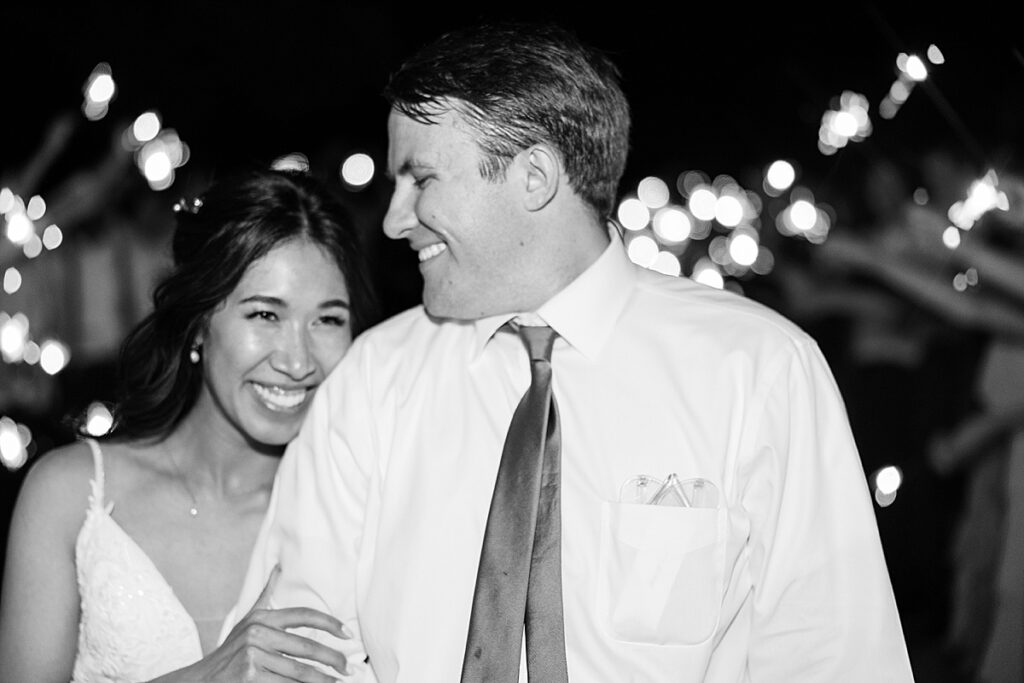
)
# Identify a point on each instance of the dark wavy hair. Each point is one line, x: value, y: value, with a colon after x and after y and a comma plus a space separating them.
x: 239, y: 219
x: 519, y: 84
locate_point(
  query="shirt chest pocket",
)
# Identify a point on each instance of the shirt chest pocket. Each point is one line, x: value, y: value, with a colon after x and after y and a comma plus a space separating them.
x: 662, y: 572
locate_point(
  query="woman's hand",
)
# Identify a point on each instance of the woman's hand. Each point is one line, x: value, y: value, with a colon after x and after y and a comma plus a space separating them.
x: 259, y: 648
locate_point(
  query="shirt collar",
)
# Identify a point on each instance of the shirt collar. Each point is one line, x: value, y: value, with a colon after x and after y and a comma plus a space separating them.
x: 586, y: 311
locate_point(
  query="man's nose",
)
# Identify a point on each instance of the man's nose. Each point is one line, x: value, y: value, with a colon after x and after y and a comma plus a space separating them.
x: 401, y: 215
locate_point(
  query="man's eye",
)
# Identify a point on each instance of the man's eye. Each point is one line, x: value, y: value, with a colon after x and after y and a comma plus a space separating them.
x: 420, y: 182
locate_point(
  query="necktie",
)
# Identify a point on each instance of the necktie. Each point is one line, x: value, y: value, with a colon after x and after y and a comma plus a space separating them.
x: 519, y: 580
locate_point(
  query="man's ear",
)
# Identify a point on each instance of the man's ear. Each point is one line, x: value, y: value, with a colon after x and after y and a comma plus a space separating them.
x: 543, y: 175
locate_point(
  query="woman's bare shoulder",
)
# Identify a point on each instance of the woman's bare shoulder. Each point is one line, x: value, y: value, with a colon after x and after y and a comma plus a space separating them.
x: 57, y: 485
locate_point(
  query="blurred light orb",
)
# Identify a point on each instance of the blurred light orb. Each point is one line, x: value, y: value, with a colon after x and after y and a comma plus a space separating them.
x: 844, y: 124
x: 53, y: 356
x: 971, y: 276
x: 101, y: 88
x: 98, y: 419
x: 31, y: 352
x: 780, y: 175
x: 13, y: 336
x: 888, y: 479
x: 6, y: 200
x: 672, y: 225
x: 157, y: 166
x: 633, y: 214
x: 666, y: 262
x: 935, y: 55
x: 960, y: 282
x: 951, y: 237
x: 921, y: 196
x: 36, y: 208
x: 765, y: 261
x: 728, y: 210
x: 915, y: 68
x: 743, y: 248
x: 653, y: 192
x: 702, y: 203
x: 13, y: 443
x: 899, y: 91
x: 888, y: 109
x: 94, y: 111
x: 982, y: 197
x: 803, y: 215
x: 52, y: 237
x: 296, y: 161
x: 146, y: 126
x: 642, y: 250
x: 32, y: 248
x: 706, y: 273
x: 20, y: 228
x: 357, y: 170
x: 12, y: 280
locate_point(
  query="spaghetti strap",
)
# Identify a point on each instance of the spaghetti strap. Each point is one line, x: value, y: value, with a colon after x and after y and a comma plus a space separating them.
x: 96, y: 494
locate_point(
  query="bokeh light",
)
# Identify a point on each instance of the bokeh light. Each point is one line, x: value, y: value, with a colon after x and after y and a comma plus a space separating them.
x: 779, y: 177
x: 20, y: 228
x: 14, y: 331
x: 53, y: 356
x: 98, y: 419
x: 146, y: 126
x: 702, y: 203
x: 633, y: 214
x: 642, y: 250
x: 33, y: 247
x: 653, y: 192
x: 951, y: 237
x: 357, y: 170
x: 12, y: 280
x: 743, y: 248
x: 52, y: 237
x: 666, y: 262
x: 887, y: 481
x: 672, y: 225
x: 707, y: 273
x: 14, y: 443
x: 36, y: 208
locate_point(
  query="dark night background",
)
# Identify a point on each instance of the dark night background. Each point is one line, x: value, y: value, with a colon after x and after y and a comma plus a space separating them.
x: 715, y: 87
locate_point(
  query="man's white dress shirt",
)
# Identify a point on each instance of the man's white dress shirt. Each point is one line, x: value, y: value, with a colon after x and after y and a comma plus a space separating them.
x: 380, y: 503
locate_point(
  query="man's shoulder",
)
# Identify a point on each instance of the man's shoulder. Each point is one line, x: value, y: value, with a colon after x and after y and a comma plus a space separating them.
x: 697, y: 305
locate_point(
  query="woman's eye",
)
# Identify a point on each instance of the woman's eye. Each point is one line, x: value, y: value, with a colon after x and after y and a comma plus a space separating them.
x: 335, y: 320
x: 262, y: 315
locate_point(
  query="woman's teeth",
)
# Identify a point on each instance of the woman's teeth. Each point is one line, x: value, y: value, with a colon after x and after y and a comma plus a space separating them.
x: 280, y: 399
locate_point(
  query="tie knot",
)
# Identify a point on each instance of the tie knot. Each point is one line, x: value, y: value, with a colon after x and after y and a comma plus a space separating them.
x: 538, y: 341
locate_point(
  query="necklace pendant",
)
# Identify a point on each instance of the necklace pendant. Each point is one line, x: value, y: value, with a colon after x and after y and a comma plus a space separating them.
x: 193, y: 511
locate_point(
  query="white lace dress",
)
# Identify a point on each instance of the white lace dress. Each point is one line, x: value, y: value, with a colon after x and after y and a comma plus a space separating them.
x: 133, y: 628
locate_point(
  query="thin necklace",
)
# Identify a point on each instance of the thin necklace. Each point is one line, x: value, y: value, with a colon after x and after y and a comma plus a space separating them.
x: 194, y: 510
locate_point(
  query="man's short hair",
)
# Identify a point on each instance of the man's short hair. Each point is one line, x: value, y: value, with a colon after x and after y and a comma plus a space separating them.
x: 520, y: 84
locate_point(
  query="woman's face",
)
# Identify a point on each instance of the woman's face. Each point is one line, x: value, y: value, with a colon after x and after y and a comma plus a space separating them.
x: 273, y: 340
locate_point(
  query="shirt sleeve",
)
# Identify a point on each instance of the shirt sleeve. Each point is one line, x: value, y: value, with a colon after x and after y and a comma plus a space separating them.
x: 823, y: 606
x: 314, y: 522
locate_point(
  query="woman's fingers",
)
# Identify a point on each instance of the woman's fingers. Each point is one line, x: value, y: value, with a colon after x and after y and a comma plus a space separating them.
x: 272, y: 641
x: 298, y: 617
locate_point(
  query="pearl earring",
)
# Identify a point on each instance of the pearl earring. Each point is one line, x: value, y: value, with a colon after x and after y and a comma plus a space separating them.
x: 193, y: 354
